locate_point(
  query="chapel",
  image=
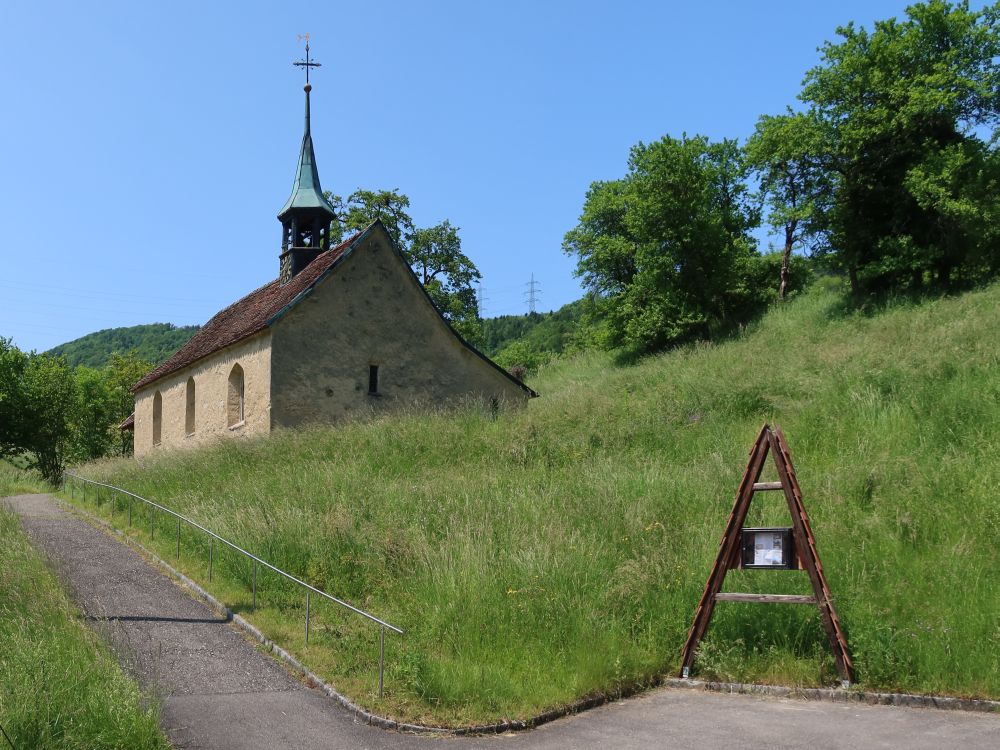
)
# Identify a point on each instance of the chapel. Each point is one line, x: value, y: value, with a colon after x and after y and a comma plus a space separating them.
x: 344, y: 331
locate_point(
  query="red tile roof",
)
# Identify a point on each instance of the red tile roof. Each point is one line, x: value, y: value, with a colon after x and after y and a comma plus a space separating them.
x: 129, y: 423
x: 248, y: 316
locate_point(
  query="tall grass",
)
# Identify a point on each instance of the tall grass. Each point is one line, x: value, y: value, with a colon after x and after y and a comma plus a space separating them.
x: 560, y: 551
x: 17, y: 481
x: 59, y: 686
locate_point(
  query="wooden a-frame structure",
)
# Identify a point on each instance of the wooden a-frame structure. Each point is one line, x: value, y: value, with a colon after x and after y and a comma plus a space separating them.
x: 769, y: 441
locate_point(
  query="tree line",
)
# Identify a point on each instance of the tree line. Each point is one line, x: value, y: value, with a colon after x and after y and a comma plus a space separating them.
x: 52, y: 413
x: 887, y: 172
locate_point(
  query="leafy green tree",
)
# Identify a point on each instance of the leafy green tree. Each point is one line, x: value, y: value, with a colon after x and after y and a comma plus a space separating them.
x: 902, y: 105
x: 521, y: 355
x: 448, y: 276
x: 960, y: 185
x: 52, y: 413
x: 50, y: 404
x: 666, y: 250
x: 362, y: 207
x: 93, y: 425
x: 435, y: 253
x: 122, y: 372
x: 14, y: 421
x: 787, y: 154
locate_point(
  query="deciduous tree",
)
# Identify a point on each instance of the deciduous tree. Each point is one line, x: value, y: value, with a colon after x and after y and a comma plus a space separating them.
x: 666, y: 250
x: 13, y: 419
x: 448, y: 276
x: 122, y: 372
x: 94, y: 414
x: 362, y: 207
x: 787, y: 152
x: 905, y: 104
x: 50, y: 403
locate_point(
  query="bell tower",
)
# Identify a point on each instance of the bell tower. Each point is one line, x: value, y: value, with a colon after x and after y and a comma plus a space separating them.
x: 306, y: 216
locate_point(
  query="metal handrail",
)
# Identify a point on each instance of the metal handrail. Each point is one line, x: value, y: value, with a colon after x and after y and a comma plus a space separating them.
x: 256, y: 560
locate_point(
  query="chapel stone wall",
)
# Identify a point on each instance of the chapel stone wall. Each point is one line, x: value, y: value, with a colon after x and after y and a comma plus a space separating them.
x: 212, y: 398
x: 372, y: 312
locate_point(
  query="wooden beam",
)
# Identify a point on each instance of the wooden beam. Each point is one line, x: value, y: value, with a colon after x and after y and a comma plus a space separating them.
x: 805, y: 544
x: 765, y: 486
x: 765, y: 598
x: 729, y: 547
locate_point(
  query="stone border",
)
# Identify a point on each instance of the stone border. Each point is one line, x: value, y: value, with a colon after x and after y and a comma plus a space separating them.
x: 313, y: 680
x: 832, y: 695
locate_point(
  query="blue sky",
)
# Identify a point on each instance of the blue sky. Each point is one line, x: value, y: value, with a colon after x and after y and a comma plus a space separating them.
x: 146, y: 148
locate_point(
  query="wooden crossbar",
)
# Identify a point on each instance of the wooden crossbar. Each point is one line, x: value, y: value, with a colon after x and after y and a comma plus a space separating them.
x: 726, y: 596
x: 765, y: 486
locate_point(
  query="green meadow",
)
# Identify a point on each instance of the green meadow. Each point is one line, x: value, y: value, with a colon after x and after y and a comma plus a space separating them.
x: 559, y: 551
x: 59, y: 685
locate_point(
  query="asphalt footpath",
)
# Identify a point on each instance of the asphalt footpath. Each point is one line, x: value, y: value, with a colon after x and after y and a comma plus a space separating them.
x: 217, y: 691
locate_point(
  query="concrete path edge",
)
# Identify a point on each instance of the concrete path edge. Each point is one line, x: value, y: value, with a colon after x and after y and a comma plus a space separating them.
x: 313, y: 680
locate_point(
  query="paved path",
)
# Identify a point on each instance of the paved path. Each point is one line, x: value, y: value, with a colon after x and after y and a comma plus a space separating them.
x: 218, y: 692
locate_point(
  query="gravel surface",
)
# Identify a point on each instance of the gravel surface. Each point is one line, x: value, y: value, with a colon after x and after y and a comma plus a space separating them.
x: 218, y: 692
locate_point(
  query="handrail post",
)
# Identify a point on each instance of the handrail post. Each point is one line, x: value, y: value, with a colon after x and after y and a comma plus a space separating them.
x: 114, y: 496
x: 308, y: 592
x: 381, y: 658
x: 254, y: 585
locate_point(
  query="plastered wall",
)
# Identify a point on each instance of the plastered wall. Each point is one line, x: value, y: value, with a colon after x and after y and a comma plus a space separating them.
x: 371, y: 311
x: 211, y: 377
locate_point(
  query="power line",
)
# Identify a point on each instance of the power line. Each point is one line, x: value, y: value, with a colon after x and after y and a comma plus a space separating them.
x: 533, y: 294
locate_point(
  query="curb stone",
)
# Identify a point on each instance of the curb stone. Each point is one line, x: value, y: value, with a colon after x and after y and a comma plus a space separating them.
x: 315, y: 681
x: 833, y: 695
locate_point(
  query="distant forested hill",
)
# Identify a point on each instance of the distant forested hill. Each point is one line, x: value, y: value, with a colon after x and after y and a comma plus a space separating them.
x: 154, y: 342
x: 542, y: 332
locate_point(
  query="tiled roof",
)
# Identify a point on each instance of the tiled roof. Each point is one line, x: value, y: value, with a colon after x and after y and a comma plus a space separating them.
x: 248, y: 316
x: 129, y: 423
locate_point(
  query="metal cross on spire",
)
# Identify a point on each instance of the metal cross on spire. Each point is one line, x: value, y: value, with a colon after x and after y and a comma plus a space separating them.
x: 307, y: 63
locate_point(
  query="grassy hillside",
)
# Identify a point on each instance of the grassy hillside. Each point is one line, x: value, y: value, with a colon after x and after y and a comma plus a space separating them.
x: 560, y: 551
x: 153, y: 342
x: 59, y: 686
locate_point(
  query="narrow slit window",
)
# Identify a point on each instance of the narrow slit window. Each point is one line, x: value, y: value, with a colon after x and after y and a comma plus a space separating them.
x: 189, y: 410
x: 235, y: 403
x: 157, y: 417
x: 373, y: 379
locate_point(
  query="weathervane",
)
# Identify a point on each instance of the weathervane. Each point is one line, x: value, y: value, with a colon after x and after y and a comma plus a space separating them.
x: 307, y: 63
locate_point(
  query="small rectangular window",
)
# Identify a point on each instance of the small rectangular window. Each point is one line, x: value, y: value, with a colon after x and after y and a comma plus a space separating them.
x: 373, y: 379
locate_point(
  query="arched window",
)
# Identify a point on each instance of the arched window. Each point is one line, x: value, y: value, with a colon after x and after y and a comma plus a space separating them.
x: 189, y: 409
x: 235, y: 401
x: 157, y: 417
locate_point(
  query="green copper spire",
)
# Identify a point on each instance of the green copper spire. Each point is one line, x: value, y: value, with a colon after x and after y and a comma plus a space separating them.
x: 306, y: 216
x: 306, y: 190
